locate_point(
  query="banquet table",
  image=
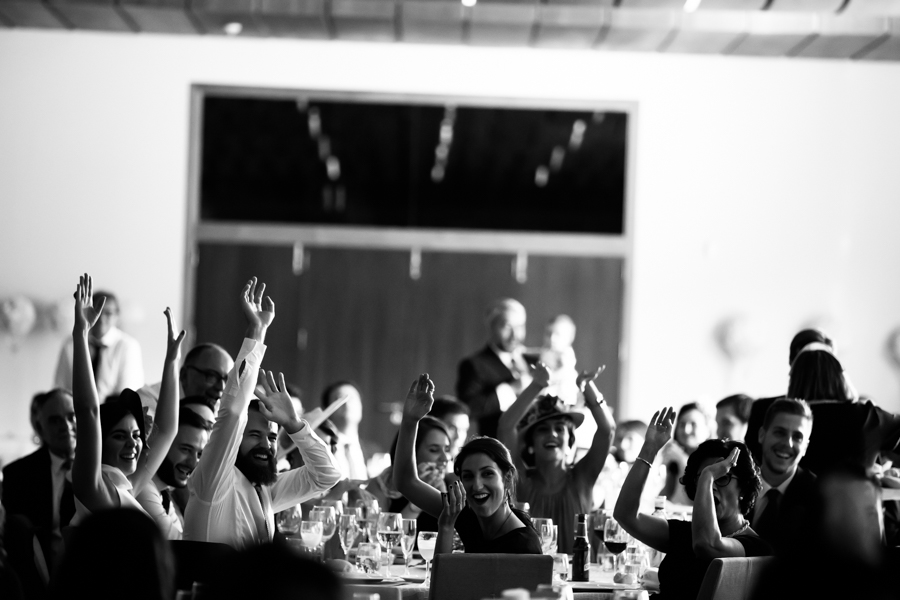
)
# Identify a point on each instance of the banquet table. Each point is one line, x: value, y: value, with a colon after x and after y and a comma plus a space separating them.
x: 600, y: 587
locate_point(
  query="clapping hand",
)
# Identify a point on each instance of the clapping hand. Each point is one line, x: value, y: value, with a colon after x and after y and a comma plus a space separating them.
x: 659, y: 432
x: 87, y: 310
x: 453, y: 503
x: 275, y: 403
x: 259, y: 311
x: 173, y: 348
x: 586, y: 377
x: 419, y: 399
x: 540, y: 374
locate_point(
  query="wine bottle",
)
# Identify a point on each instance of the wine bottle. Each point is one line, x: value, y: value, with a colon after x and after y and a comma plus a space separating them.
x: 581, y: 550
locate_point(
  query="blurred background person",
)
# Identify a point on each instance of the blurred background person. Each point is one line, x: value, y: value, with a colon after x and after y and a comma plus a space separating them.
x: 732, y: 415
x: 350, y: 457
x: 559, y: 356
x: 692, y: 428
x: 455, y: 415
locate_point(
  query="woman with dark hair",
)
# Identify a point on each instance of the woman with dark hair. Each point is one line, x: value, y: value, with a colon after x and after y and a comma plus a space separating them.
x: 541, y: 432
x: 692, y: 428
x: 479, y: 505
x: 114, y: 554
x: 723, y: 482
x: 114, y: 461
x: 845, y: 431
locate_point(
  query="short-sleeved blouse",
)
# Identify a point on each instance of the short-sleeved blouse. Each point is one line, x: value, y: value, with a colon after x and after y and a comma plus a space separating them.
x: 561, y: 505
x: 523, y: 540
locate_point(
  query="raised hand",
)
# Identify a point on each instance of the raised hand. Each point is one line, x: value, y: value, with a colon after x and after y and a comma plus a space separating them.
x: 173, y: 348
x: 258, y: 310
x: 586, y: 377
x: 722, y: 467
x: 87, y: 310
x: 540, y: 374
x: 419, y: 399
x: 453, y: 503
x: 659, y: 432
x: 275, y: 403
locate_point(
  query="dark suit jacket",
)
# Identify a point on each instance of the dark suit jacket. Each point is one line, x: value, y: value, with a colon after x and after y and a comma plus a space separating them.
x: 28, y: 491
x: 793, y: 510
x: 477, y: 379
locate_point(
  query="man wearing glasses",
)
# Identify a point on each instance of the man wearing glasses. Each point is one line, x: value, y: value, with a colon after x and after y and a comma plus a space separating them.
x: 204, y: 373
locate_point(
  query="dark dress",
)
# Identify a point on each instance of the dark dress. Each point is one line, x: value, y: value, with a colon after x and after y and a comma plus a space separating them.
x: 561, y: 506
x: 681, y: 571
x: 523, y: 540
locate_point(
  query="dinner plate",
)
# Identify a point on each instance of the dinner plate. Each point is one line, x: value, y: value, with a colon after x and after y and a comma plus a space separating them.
x: 362, y: 578
x: 414, y: 579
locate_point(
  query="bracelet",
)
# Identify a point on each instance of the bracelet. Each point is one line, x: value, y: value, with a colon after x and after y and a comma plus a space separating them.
x: 645, y: 461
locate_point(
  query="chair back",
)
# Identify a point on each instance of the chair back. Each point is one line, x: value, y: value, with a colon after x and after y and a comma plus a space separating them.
x: 197, y: 561
x: 477, y: 576
x: 733, y: 578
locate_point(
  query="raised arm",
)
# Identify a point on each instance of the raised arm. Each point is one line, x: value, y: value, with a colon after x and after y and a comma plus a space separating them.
x: 651, y: 530
x: 166, y: 420
x: 87, y: 483
x: 707, y: 537
x: 592, y: 463
x: 418, y: 402
x: 509, y: 420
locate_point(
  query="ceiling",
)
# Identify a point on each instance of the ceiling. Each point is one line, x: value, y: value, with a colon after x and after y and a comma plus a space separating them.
x: 835, y: 29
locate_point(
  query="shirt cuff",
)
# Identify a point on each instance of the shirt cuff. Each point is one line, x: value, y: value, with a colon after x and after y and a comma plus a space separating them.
x: 303, y: 436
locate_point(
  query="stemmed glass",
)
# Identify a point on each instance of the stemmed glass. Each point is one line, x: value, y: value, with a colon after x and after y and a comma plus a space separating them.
x: 288, y: 520
x: 311, y: 533
x: 615, y: 538
x: 348, y: 530
x: 427, y: 542
x: 407, y: 541
x: 368, y: 557
x: 368, y: 517
x: 544, y: 529
x: 325, y: 515
x: 388, y: 531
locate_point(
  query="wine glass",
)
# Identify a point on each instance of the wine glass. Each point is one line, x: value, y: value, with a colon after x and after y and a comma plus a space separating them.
x: 615, y: 538
x: 348, y: 530
x: 427, y: 542
x: 326, y: 515
x: 368, y: 518
x: 544, y: 529
x: 407, y: 541
x: 388, y: 531
x: 288, y: 520
x: 337, y: 505
x: 311, y: 533
x: 368, y: 557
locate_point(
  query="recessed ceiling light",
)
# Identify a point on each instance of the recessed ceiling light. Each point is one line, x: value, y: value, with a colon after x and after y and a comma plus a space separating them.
x: 233, y: 28
x: 691, y: 5
x: 469, y: 3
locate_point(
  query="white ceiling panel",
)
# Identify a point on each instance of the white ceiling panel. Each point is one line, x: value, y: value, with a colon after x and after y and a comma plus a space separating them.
x: 502, y: 24
x: 889, y: 8
x: 570, y: 26
x: 638, y: 29
x: 776, y: 34
x: 710, y: 32
x: 823, y: 6
x: 214, y: 15
x: 364, y: 20
x: 30, y: 13
x: 435, y: 22
x: 100, y: 15
x: 160, y: 16
x: 845, y: 36
x: 293, y: 18
x: 731, y: 5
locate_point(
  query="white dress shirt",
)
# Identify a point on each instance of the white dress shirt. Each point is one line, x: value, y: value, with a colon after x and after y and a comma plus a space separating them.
x: 349, y: 458
x: 224, y: 506
x: 121, y: 365
x: 762, y: 500
x: 170, y: 522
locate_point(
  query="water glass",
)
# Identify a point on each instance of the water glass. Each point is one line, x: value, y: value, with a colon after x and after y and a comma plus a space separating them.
x: 326, y: 516
x: 288, y: 520
x: 544, y: 529
x: 368, y: 557
x: 427, y: 542
x: 561, y: 566
x: 311, y: 533
x: 369, y: 511
x: 388, y: 533
x: 348, y: 531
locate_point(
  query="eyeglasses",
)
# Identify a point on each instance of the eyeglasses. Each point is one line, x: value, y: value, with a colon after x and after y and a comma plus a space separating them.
x: 723, y: 481
x: 212, y: 377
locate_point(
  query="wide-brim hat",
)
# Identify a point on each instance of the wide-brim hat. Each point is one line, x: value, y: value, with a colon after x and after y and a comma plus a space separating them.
x: 546, y: 408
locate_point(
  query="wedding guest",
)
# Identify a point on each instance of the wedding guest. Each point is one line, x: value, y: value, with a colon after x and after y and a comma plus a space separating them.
x: 174, y: 473
x: 559, y: 356
x: 115, y: 356
x: 722, y: 481
x: 350, y: 456
x: 691, y: 429
x: 482, y: 512
x: 37, y: 487
x: 455, y: 415
x: 732, y: 415
x: 205, y: 371
x: 541, y: 432
x: 114, y: 554
x: 114, y: 462
x: 236, y: 489
x: 490, y: 380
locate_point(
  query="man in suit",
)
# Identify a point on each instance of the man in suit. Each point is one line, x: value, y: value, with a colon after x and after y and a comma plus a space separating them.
x: 37, y: 490
x: 787, y: 488
x: 490, y: 380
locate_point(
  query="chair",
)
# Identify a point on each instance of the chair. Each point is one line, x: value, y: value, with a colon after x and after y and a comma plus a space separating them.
x: 197, y: 561
x: 733, y: 578
x: 477, y: 576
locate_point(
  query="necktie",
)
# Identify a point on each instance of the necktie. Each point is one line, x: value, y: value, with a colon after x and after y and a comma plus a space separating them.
x: 265, y: 519
x: 97, y: 360
x: 166, y: 500
x: 766, y: 524
x: 67, y: 502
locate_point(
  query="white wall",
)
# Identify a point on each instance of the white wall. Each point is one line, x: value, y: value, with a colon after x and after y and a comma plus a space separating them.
x: 765, y: 189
